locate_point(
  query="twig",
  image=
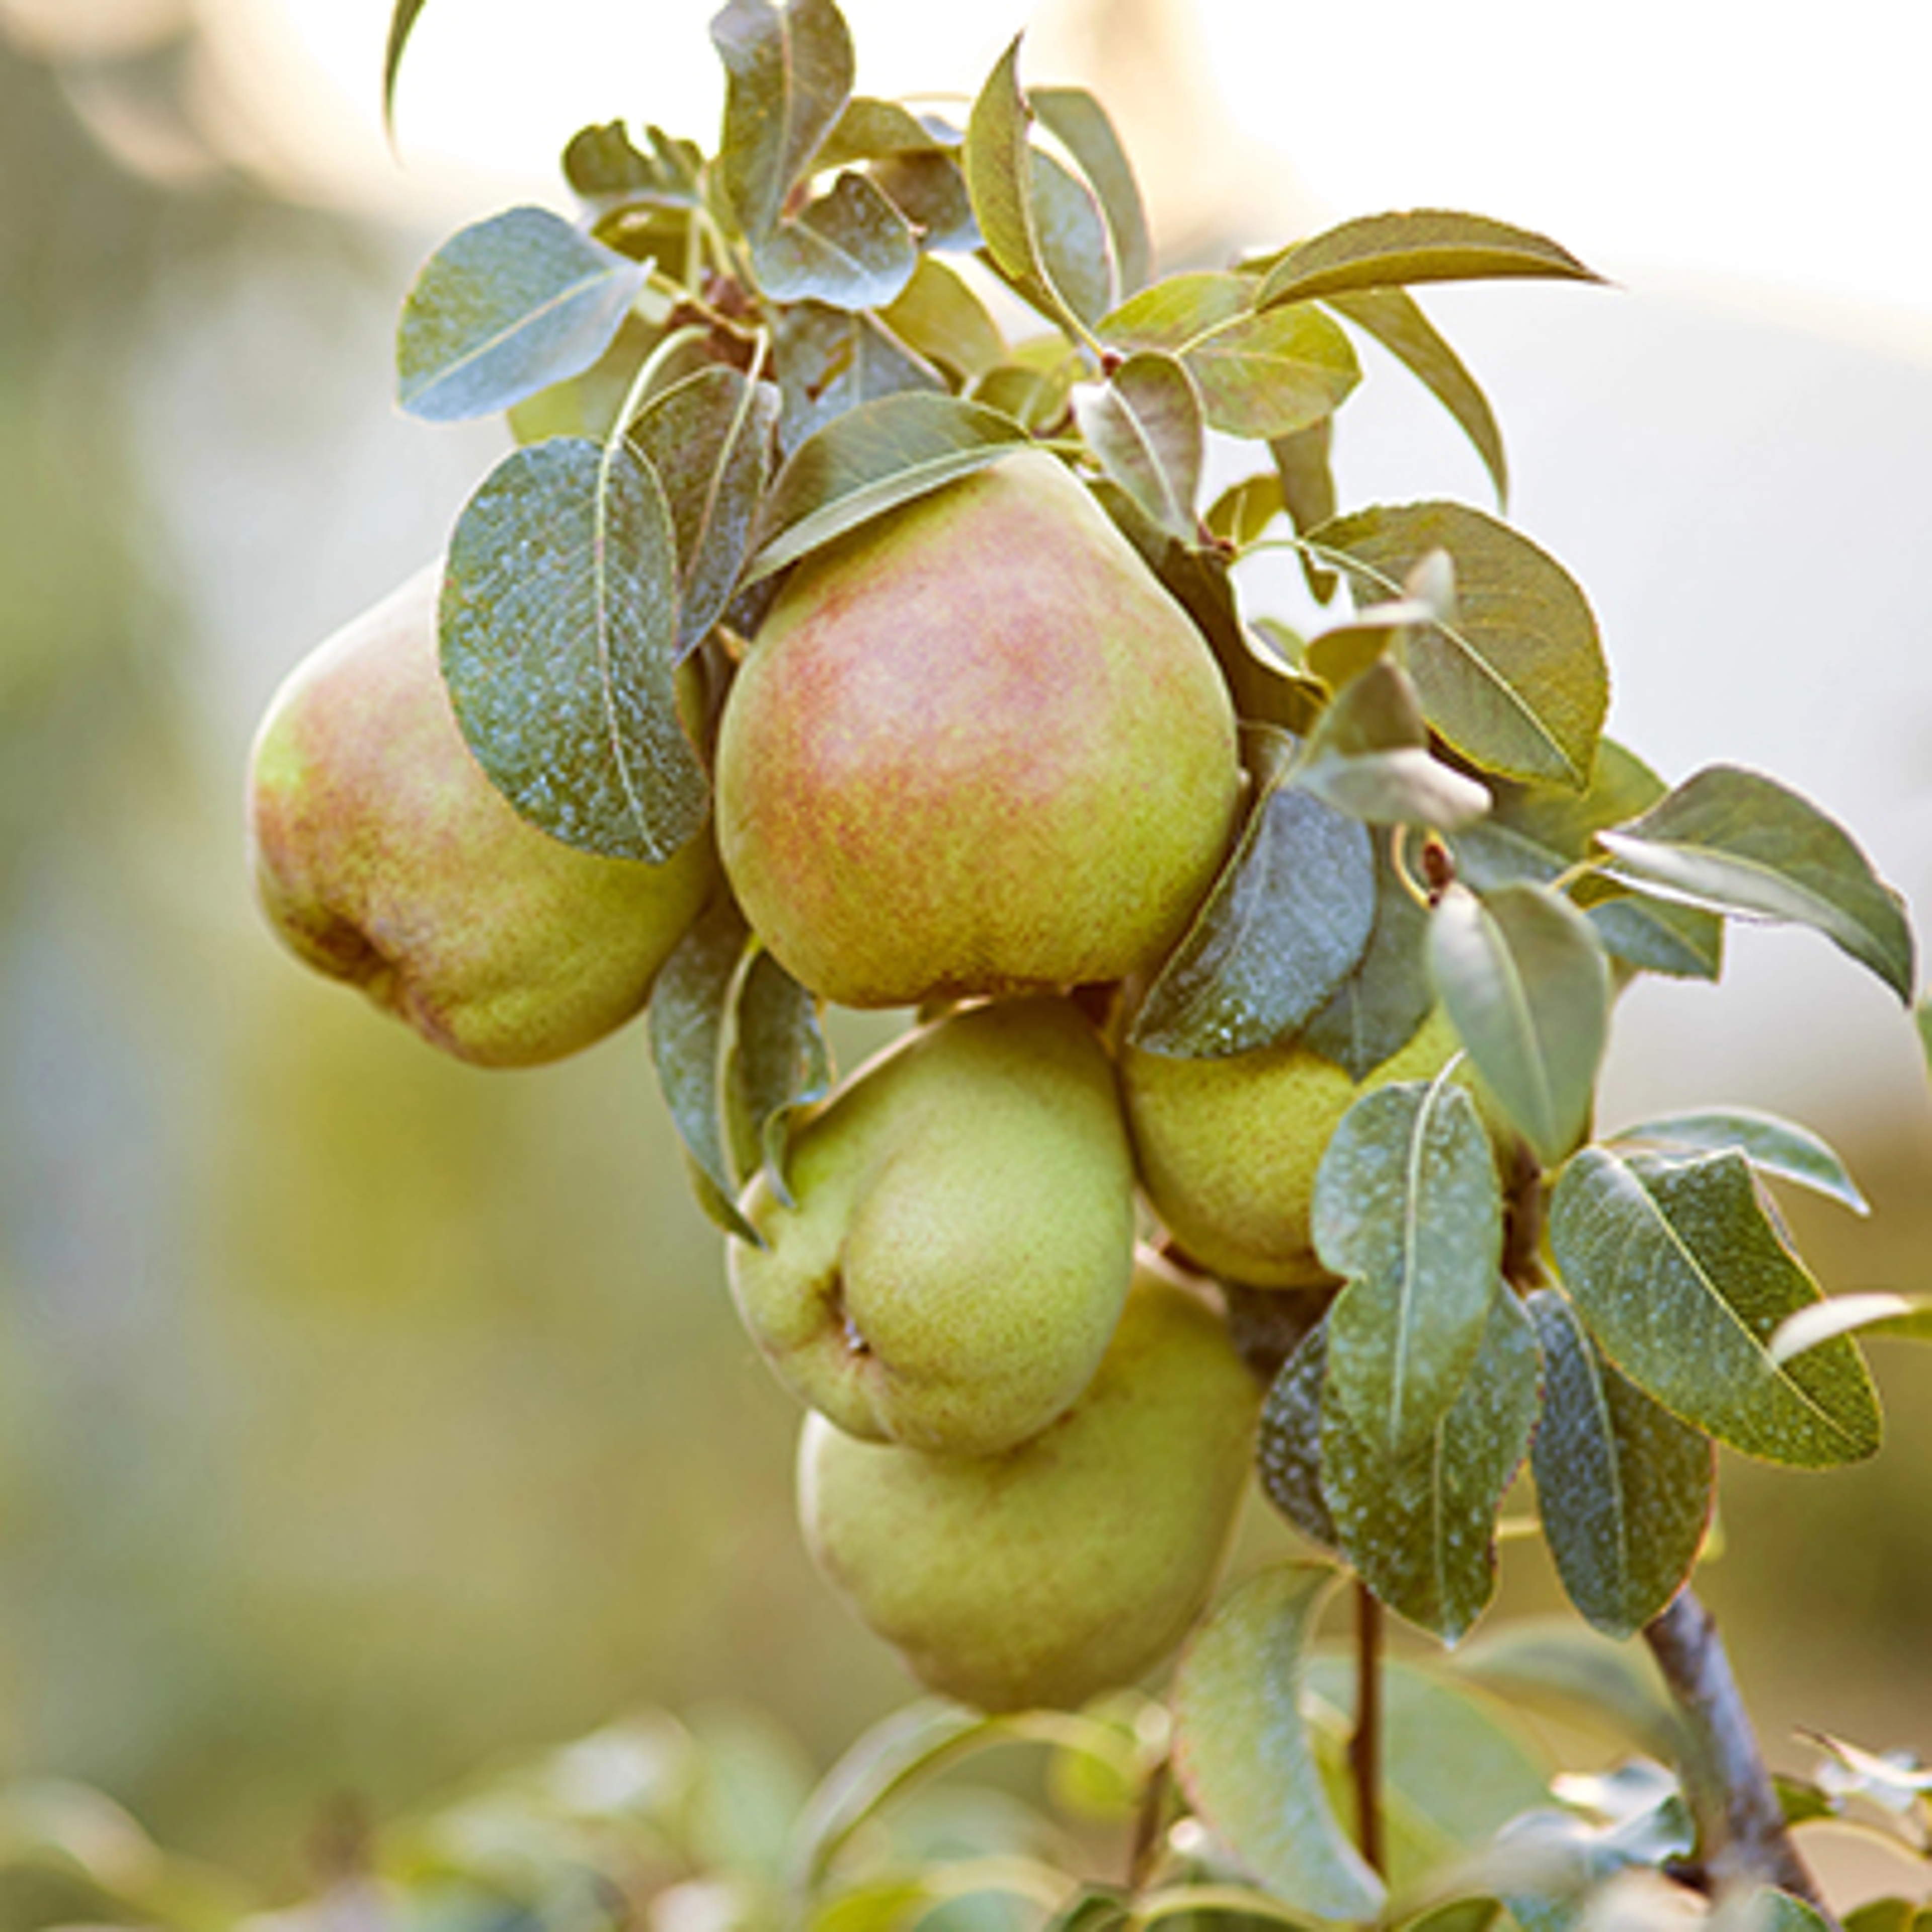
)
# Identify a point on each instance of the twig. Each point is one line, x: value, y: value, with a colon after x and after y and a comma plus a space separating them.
x: 1741, y: 1828
x: 1365, y: 1746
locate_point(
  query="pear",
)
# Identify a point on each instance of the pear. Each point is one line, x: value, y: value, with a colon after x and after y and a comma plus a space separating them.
x: 1072, y: 1563
x: 975, y: 748
x: 960, y: 1236
x: 1227, y: 1148
x: 384, y: 856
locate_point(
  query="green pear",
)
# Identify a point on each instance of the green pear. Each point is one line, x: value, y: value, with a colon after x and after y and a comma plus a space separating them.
x: 960, y: 1237
x: 975, y: 748
x: 1072, y: 1563
x: 1227, y: 1148
x: 384, y: 856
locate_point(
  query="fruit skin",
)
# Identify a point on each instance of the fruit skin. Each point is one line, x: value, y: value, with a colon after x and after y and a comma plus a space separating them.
x: 384, y: 856
x: 963, y: 1235
x: 1076, y: 1561
x: 1228, y: 1149
x: 975, y: 748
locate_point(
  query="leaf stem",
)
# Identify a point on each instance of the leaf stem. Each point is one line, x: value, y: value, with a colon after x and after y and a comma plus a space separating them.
x: 1741, y: 1833
x: 1365, y: 1744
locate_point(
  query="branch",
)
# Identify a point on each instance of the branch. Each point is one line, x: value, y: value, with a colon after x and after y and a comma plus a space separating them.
x: 1740, y: 1827
x: 1365, y: 1745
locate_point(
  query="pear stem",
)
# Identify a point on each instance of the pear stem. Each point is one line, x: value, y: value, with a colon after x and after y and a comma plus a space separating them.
x: 1365, y: 1746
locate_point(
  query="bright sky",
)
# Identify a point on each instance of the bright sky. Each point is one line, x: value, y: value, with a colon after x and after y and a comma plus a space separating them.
x: 1774, y: 147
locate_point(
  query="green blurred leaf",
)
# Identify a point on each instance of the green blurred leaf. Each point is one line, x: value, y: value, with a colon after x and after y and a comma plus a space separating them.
x: 778, y: 1064
x: 709, y: 439
x: 752, y: 1779
x: 1769, y: 1910
x: 1288, y: 1450
x: 1376, y: 1010
x: 1902, y: 1317
x: 1308, y: 493
x: 1778, y: 1148
x: 1244, y: 510
x: 1421, y: 1529
x: 938, y: 317
x: 688, y: 1017
x: 1264, y: 953
x: 1557, y: 1667
x: 829, y: 362
x: 789, y: 75
x: 1524, y: 978
x: 1682, y: 1279
x: 1246, y: 1761
x: 1517, y: 683
x: 1882, y: 1915
x: 402, y: 24
x: 1624, y: 1489
x: 1737, y: 841
x: 1144, y: 423
x: 1078, y: 121
x: 601, y: 163
x: 851, y: 248
x: 1396, y: 321
x: 1369, y: 757
x: 871, y: 460
x: 559, y: 622
x: 1407, y: 1211
x: 1896, y: 1781
x: 1922, y: 1016
x: 504, y: 308
x: 1377, y: 251
x: 869, y: 130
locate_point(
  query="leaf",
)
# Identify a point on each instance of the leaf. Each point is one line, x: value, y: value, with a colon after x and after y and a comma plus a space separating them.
x: 1289, y: 1451
x: 1377, y: 251
x: 850, y: 249
x: 1375, y: 1011
x: 1077, y: 120
x: 690, y: 1003
x: 778, y: 1064
x: 829, y: 362
x: 601, y: 163
x: 1263, y: 951
x: 1407, y: 1210
x: 938, y: 317
x: 1739, y: 842
x: 1517, y: 683
x: 871, y: 460
x: 929, y: 190
x: 789, y: 73
x: 1308, y: 493
x: 1420, y: 1530
x: 1144, y: 424
x: 1907, y: 1317
x: 1921, y: 1015
x: 869, y: 130
x: 1075, y: 249
x: 1369, y: 757
x: 1244, y: 510
x: 504, y: 308
x: 1245, y: 1760
x: 1397, y: 323
x: 1625, y: 1489
x: 1682, y: 1280
x: 402, y: 24
x: 709, y: 439
x: 558, y: 623
x: 1553, y: 1666
x: 1778, y: 1148
x: 1524, y: 978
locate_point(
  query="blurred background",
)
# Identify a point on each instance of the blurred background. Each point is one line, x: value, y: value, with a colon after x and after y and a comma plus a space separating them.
x: 364, y: 1418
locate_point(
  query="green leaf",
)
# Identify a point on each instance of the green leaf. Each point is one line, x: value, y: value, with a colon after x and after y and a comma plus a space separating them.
x: 1739, y: 842
x: 1517, y: 683
x: 1375, y: 1011
x: 1288, y: 1450
x: 871, y: 460
x: 1407, y: 1211
x: 929, y: 190
x: 938, y: 317
x: 1624, y: 1489
x: 850, y: 249
x: 602, y: 164
x: 1524, y: 978
x: 1396, y: 321
x: 1682, y: 1279
x: 1921, y: 1015
x: 1308, y: 493
x: 1077, y: 120
x: 1420, y: 1530
x: 869, y: 130
x: 1377, y: 251
x: 1778, y: 1148
x: 778, y: 1064
x: 1144, y: 424
x: 690, y: 1002
x: 1263, y: 951
x: 829, y: 362
x: 1768, y: 1909
x: 1244, y: 510
x: 504, y: 308
x: 1245, y: 1760
x: 558, y: 623
x: 1883, y: 1914
x: 789, y: 73
x: 402, y: 24
x: 1369, y: 757
x: 709, y: 439
x: 1554, y: 1666
x: 1904, y: 1317
x: 588, y: 405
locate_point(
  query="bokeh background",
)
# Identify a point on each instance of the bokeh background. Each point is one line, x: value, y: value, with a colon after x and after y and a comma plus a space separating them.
x: 363, y: 1418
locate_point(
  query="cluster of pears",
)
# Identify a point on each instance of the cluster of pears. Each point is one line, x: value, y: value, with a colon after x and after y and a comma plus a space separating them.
x: 974, y: 758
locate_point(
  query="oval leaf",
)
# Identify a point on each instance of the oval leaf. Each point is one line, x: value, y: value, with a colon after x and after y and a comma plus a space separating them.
x: 1245, y: 1760
x: 1369, y: 757
x: 829, y: 362
x: 559, y: 623
x: 789, y: 73
x: 1377, y: 251
x: 1288, y: 1452
x: 1144, y: 424
x: 1778, y: 1148
x: 778, y: 1063
x: 1554, y: 1666
x: 1906, y: 1317
x: 938, y: 317
x: 1407, y: 1210
x: 1739, y: 842
x: 1077, y: 120
x: 871, y: 460
x: 1376, y: 1010
x: 1525, y: 981
x: 505, y: 308
x: 1682, y: 1279
x: 850, y: 249
x: 1624, y: 1489
x: 1517, y: 682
